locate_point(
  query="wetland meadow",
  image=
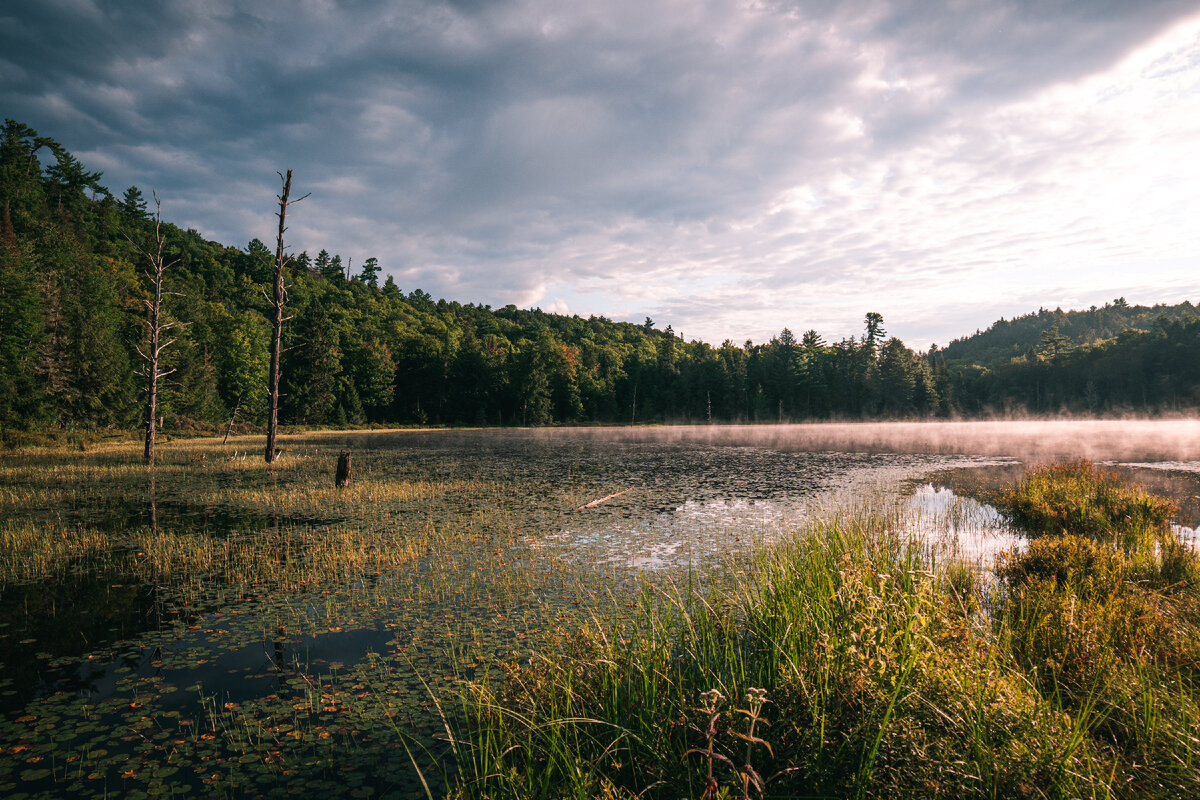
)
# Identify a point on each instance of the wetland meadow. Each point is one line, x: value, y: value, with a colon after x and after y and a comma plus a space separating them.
x: 858, y: 610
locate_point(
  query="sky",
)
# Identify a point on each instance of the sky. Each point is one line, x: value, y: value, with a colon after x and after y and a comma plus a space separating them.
x: 728, y: 168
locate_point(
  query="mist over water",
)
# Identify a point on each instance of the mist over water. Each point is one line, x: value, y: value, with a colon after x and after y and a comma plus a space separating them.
x: 679, y: 484
x: 1141, y: 440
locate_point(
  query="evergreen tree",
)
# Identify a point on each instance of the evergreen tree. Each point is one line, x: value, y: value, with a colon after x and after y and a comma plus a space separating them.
x: 325, y: 268
x: 312, y: 369
x: 370, y: 272
x: 133, y: 207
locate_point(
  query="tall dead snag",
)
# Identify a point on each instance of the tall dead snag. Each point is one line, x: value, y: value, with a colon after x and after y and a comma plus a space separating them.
x: 155, y: 328
x: 278, y: 300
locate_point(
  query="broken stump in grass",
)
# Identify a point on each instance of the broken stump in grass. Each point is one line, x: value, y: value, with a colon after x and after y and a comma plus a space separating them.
x: 343, y: 469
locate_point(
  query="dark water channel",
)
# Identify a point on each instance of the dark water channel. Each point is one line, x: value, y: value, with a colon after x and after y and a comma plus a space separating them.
x: 112, y: 687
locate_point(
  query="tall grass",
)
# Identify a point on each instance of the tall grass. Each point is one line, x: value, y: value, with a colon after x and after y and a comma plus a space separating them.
x: 1102, y: 613
x: 849, y: 662
x: 1078, y: 498
x: 871, y: 679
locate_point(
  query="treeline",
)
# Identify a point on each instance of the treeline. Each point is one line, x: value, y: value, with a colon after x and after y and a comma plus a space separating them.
x: 1137, y: 371
x: 358, y: 350
x: 1022, y: 337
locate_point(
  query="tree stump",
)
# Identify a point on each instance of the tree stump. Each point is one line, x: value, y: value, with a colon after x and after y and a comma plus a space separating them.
x: 343, y: 469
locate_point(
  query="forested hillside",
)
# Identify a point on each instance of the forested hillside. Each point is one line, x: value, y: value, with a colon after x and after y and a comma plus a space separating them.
x: 73, y: 320
x: 1027, y: 335
x: 1117, y: 357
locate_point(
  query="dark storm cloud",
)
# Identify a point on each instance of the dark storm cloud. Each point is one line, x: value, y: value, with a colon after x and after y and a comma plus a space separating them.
x: 498, y: 151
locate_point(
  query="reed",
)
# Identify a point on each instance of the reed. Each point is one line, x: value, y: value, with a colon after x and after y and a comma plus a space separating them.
x: 873, y: 668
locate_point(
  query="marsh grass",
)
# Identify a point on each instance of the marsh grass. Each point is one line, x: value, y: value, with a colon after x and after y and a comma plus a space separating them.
x: 425, y: 579
x: 873, y: 667
x: 848, y: 658
x: 1102, y: 613
x: 1081, y: 499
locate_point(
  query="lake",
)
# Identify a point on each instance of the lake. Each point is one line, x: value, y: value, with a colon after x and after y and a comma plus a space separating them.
x: 225, y: 628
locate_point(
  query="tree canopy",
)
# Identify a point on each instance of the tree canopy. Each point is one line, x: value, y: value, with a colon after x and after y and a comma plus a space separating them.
x: 72, y: 316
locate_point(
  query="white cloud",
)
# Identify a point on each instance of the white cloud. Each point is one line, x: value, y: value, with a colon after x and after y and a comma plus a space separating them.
x: 730, y: 169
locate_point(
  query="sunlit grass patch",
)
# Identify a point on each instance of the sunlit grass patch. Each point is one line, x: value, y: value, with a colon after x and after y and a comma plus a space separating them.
x: 31, y: 551
x: 1104, y: 618
x: 364, y: 496
x: 1080, y: 499
x: 868, y: 666
x: 872, y: 679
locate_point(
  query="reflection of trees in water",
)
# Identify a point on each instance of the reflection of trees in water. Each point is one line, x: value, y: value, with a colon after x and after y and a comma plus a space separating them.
x: 152, y: 506
x: 67, y: 616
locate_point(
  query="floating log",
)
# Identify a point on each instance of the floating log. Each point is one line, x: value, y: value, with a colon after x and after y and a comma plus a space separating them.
x: 343, y: 469
x: 604, y: 499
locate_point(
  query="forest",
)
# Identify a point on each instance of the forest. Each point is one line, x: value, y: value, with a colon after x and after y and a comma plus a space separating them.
x: 357, y: 350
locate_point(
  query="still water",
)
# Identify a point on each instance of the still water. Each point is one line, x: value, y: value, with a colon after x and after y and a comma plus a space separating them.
x: 120, y: 686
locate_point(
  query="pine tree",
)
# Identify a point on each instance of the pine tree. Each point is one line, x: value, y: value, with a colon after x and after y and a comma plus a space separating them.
x: 370, y: 272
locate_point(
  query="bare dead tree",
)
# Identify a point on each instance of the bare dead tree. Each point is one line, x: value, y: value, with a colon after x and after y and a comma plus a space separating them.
x: 229, y: 428
x: 279, y: 298
x: 156, y: 326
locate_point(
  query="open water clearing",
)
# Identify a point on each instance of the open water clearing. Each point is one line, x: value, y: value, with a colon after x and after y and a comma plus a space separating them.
x: 299, y: 669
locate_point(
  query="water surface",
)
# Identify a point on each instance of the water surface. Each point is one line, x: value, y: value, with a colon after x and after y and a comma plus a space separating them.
x: 114, y: 686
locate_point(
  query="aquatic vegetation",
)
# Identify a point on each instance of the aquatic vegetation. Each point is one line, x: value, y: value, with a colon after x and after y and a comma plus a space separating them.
x: 1080, y: 499
x: 871, y: 667
x: 1104, y: 618
x: 888, y: 674
x: 468, y: 623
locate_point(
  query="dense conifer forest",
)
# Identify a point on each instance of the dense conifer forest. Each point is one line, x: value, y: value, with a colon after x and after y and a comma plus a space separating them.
x: 73, y: 322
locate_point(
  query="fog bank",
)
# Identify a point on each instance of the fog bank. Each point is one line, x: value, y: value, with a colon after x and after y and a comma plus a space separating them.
x: 1095, y: 440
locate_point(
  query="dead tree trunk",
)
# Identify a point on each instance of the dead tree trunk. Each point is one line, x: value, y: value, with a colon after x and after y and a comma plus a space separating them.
x: 278, y: 299
x: 236, y: 407
x: 342, y: 479
x: 155, y: 327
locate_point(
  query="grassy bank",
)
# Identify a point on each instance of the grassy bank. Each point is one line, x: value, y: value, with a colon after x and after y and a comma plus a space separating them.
x: 856, y: 662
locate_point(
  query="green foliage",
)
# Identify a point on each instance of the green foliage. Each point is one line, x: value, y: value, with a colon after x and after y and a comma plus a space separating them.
x: 1093, y: 571
x: 243, y: 354
x: 1104, y: 617
x: 1115, y: 358
x: 358, y: 351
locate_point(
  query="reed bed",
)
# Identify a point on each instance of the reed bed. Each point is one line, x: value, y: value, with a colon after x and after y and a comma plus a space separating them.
x: 850, y: 661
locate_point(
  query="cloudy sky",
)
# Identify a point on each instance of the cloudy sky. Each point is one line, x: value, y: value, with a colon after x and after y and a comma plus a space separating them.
x: 730, y: 168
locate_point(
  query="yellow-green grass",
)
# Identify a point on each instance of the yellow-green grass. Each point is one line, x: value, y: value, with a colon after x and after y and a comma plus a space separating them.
x: 869, y: 666
x: 848, y: 660
x: 1081, y: 499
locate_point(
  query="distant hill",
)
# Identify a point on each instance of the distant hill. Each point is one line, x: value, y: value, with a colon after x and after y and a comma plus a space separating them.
x: 1020, y: 337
